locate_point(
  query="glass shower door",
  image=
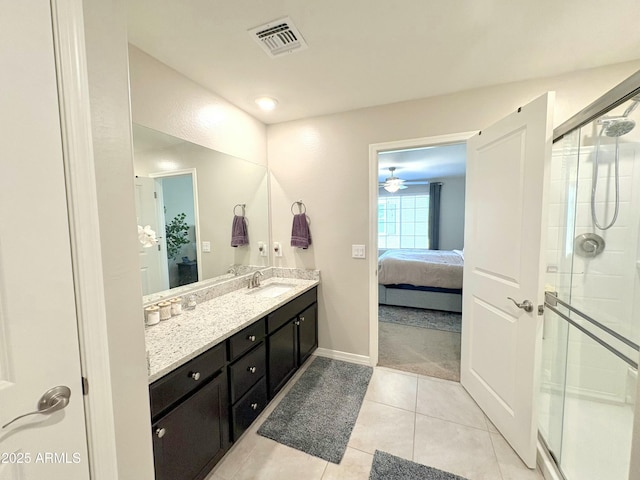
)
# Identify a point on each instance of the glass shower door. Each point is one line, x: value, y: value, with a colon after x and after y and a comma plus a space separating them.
x: 590, y: 350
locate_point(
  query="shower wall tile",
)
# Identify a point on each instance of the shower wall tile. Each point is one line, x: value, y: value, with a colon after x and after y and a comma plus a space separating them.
x: 606, y: 188
x: 605, y: 214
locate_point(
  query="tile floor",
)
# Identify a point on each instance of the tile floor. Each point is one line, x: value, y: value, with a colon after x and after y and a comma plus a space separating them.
x: 427, y: 420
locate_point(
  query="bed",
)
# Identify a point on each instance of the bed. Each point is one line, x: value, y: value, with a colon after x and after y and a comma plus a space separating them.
x: 421, y: 278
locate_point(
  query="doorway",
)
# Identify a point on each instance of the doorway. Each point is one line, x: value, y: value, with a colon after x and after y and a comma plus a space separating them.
x: 415, y: 327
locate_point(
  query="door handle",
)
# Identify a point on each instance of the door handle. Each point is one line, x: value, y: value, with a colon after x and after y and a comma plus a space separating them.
x: 53, y: 400
x: 526, y: 305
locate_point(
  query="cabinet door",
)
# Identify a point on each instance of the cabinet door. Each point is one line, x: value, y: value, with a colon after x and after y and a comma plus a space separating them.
x: 193, y: 437
x: 307, y: 332
x: 283, y: 356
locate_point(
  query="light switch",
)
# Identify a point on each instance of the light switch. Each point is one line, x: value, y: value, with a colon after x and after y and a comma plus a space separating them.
x: 206, y: 247
x: 277, y: 248
x: 262, y: 247
x: 358, y: 251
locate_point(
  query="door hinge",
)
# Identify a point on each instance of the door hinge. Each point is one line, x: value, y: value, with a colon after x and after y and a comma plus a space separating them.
x: 155, y: 194
x: 540, y: 310
x: 85, y: 386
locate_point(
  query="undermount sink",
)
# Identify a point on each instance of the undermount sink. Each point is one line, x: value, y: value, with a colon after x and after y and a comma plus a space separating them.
x: 272, y: 290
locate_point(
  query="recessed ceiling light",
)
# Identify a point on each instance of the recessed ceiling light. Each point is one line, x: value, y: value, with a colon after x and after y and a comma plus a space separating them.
x: 266, y: 103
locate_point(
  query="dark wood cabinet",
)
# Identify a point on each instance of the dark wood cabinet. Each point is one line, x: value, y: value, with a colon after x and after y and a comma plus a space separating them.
x: 192, y: 437
x: 292, y: 337
x: 187, y: 272
x: 307, y: 333
x: 247, y: 409
x: 283, y: 356
x: 198, y: 409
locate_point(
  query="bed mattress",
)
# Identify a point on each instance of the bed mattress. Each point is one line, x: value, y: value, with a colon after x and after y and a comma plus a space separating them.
x: 422, y: 268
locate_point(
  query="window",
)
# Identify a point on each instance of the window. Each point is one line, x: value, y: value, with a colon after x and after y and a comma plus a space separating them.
x: 403, y: 221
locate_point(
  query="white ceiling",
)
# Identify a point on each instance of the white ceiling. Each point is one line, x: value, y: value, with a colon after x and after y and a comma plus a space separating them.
x: 424, y: 163
x: 371, y: 52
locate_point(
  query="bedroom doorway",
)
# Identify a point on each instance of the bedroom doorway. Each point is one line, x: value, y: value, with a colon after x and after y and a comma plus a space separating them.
x: 418, y: 211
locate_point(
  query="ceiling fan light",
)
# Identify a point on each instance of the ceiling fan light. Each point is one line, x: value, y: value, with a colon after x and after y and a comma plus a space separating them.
x: 392, y: 187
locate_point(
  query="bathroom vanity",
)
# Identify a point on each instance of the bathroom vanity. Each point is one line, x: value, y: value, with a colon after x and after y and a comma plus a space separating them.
x: 214, y: 369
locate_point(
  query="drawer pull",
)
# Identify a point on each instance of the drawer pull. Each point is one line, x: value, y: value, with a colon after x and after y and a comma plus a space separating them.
x: 195, y: 376
x: 251, y: 369
x: 254, y: 406
x: 251, y: 338
x: 160, y: 432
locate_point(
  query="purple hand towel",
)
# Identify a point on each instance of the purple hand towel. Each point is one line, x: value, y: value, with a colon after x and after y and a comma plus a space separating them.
x: 239, y: 233
x: 300, y: 234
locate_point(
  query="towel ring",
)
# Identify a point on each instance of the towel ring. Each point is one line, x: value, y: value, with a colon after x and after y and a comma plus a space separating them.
x: 241, y: 205
x: 300, y: 206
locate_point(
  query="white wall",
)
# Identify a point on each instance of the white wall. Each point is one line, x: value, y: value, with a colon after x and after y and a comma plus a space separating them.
x: 167, y: 101
x: 304, y: 156
x: 451, y: 213
x: 105, y: 32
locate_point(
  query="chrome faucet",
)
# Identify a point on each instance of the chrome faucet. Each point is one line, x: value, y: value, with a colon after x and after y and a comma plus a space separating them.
x: 254, y: 281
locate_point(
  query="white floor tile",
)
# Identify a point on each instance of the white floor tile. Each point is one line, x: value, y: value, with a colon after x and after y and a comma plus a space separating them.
x: 394, y: 389
x: 510, y: 464
x: 270, y: 460
x: 355, y: 465
x: 381, y: 427
x: 455, y: 448
x: 448, y: 401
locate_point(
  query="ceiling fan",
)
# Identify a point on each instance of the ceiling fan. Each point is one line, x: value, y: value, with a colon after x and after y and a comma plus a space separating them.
x: 392, y: 184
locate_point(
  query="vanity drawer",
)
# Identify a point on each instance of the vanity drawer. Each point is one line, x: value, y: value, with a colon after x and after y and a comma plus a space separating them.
x: 246, y: 339
x: 248, y: 408
x: 185, y: 379
x: 247, y: 371
x: 285, y: 313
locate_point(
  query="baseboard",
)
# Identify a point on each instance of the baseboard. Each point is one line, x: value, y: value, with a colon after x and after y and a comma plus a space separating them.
x: 344, y: 356
x: 546, y: 464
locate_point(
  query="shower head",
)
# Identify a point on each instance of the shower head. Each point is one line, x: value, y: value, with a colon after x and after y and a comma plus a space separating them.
x: 618, y: 127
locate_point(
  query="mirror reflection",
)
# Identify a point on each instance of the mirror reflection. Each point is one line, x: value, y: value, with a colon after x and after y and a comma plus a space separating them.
x: 186, y: 199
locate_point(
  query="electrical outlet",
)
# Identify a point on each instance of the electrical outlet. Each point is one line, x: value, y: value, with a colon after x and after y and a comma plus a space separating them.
x: 206, y: 247
x: 358, y: 251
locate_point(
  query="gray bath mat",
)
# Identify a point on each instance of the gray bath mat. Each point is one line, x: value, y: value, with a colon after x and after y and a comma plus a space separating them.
x: 419, y: 317
x: 318, y: 414
x: 389, y: 467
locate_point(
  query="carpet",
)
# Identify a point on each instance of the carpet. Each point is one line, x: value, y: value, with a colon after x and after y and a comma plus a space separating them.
x: 433, y: 353
x: 419, y: 317
x: 389, y: 467
x: 318, y: 414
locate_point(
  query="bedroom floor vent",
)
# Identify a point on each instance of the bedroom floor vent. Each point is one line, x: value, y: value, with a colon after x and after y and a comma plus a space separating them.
x: 279, y: 37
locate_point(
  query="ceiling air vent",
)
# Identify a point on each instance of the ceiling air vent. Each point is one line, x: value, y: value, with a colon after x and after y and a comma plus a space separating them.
x: 278, y: 37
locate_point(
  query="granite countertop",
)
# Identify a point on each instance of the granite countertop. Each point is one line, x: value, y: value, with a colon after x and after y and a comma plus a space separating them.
x: 173, y: 342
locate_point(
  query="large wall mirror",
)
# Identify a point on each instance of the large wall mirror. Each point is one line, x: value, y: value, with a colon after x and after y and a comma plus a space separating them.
x: 188, y: 196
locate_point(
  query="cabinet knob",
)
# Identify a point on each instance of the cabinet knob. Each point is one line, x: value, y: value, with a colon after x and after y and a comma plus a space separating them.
x: 160, y: 432
x: 251, y: 338
x: 254, y: 406
x: 252, y: 369
x: 297, y: 322
x: 302, y: 319
x: 195, y: 376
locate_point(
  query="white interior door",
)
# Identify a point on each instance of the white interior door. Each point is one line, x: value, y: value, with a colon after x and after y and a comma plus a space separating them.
x: 507, y: 173
x: 153, y: 260
x: 38, y: 327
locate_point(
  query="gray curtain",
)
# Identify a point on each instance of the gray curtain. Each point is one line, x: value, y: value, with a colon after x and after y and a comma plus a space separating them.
x: 434, y: 215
